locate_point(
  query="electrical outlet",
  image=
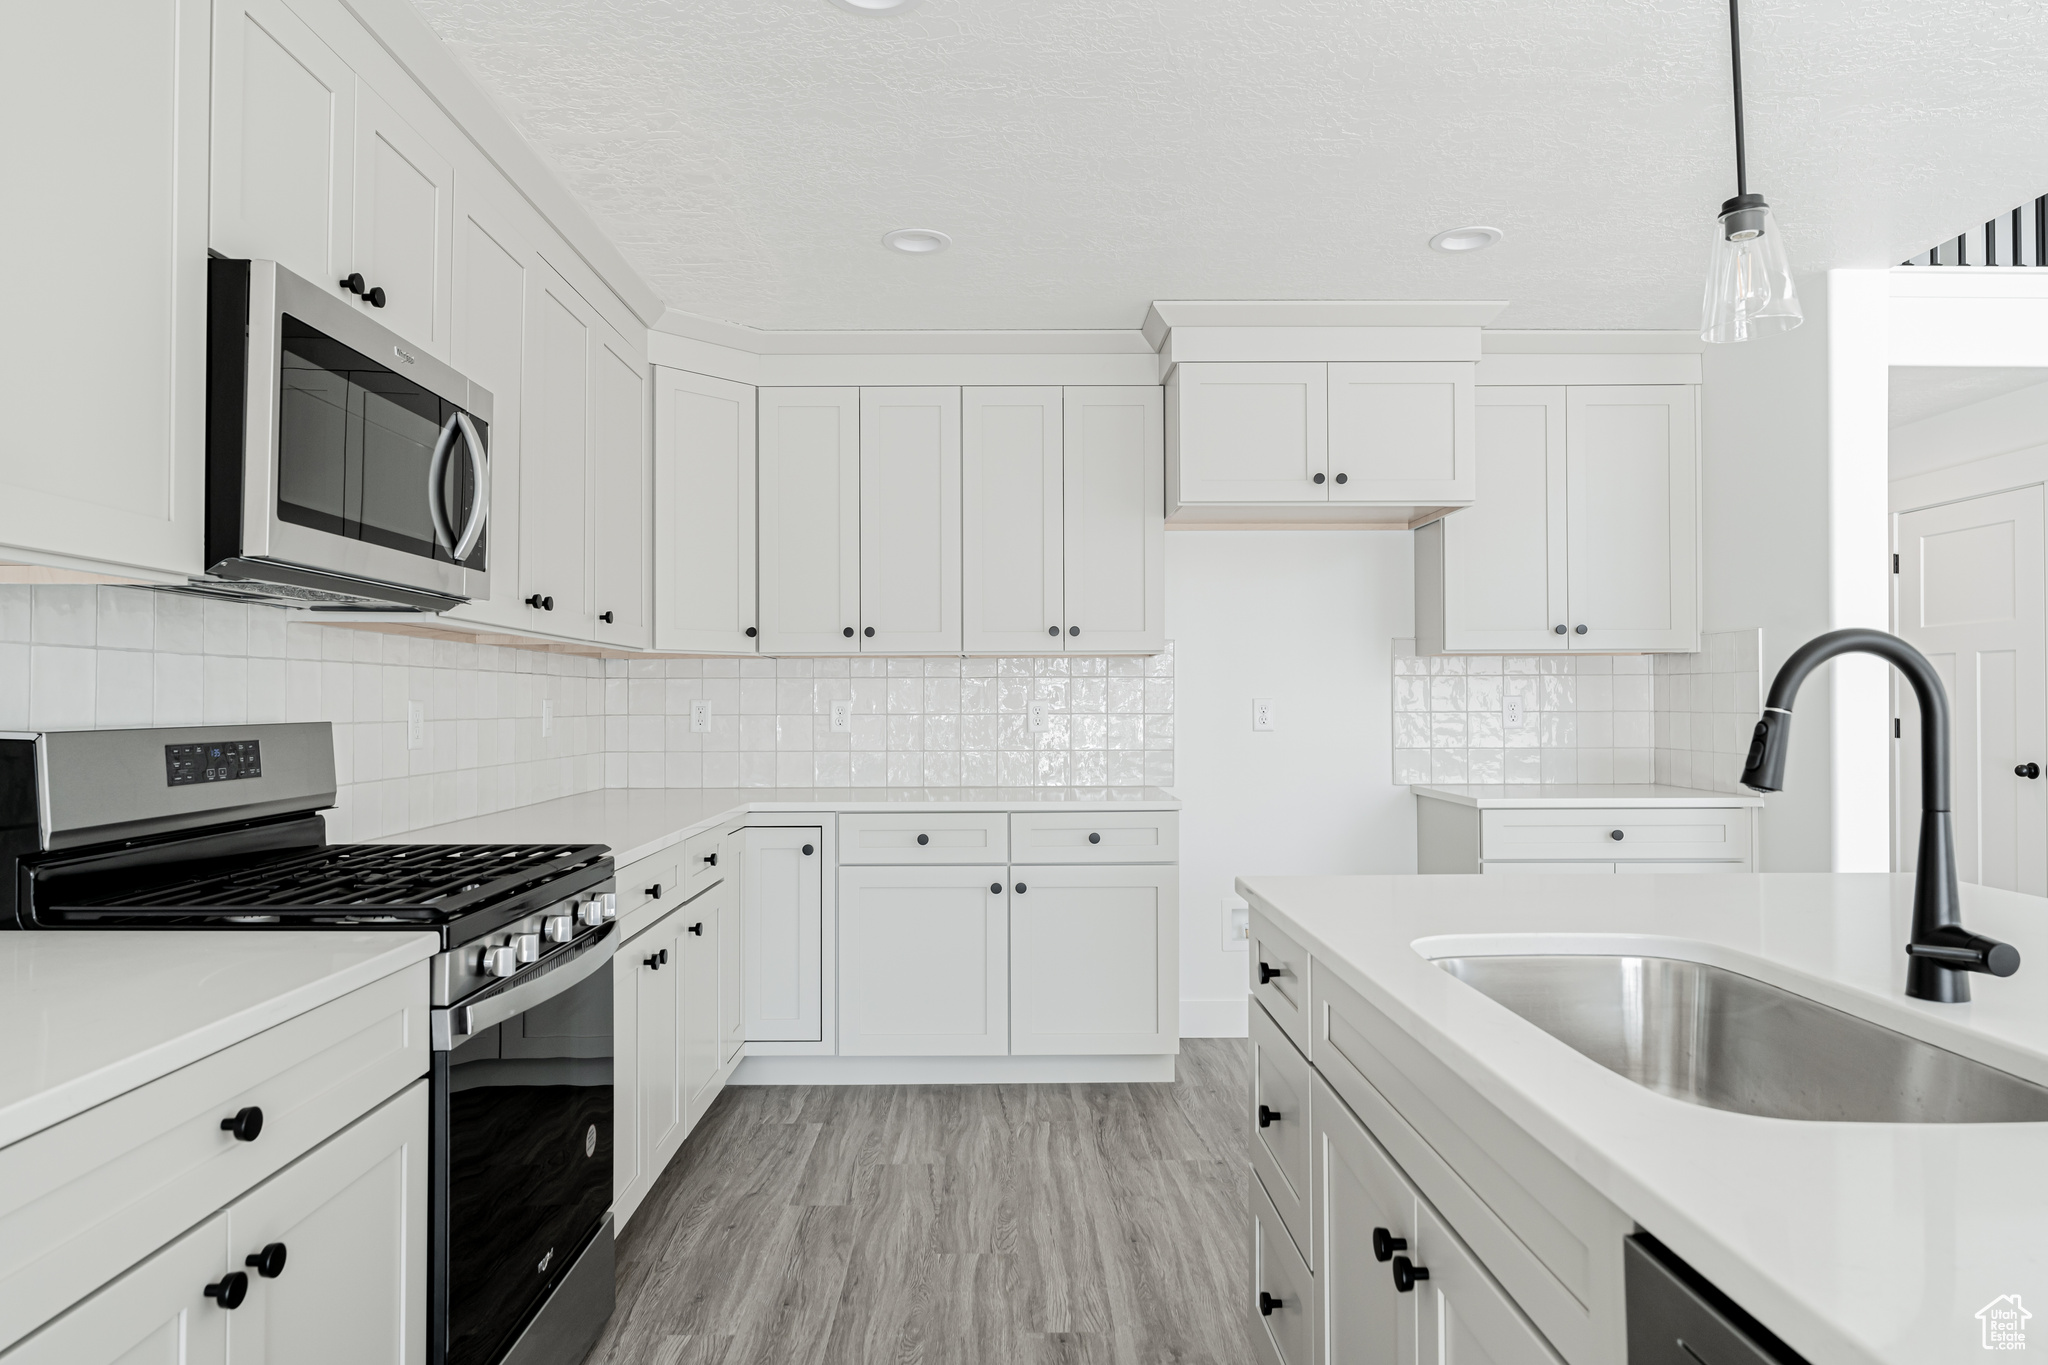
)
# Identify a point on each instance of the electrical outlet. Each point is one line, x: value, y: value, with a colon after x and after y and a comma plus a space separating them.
x: 1041, y: 716
x: 1237, y: 924
x: 1511, y: 713
x: 700, y: 718
x: 1262, y: 713
x: 547, y: 719
x: 415, y: 724
x: 842, y: 716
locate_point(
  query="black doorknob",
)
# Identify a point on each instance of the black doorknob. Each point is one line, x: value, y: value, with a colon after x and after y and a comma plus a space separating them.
x: 269, y: 1262
x: 869, y: 631
x: 654, y: 892
x: 807, y: 850
x: 924, y: 838
x: 1343, y: 478
x: 1073, y: 630
x: 1052, y: 630
x: 353, y: 283
x: 1615, y: 835
x: 375, y: 296
x: 1020, y: 888
x: 751, y: 632
x: 605, y: 617
x: 1268, y: 1117
x: 698, y: 928
x: 245, y: 1125
x: 995, y: 888
x: 1095, y: 838
x: 848, y: 632
x: 1319, y: 478
x: 1407, y: 1273
x: 232, y: 1289
x: 1268, y: 973
x: 1560, y: 630
x: 1267, y: 1303
x: 2029, y: 770
x: 1580, y: 629
x: 1385, y: 1244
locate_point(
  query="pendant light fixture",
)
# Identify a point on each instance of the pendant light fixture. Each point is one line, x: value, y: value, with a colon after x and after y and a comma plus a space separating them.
x: 1749, y: 280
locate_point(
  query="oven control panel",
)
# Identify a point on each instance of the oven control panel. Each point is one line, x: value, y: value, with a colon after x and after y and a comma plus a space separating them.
x: 226, y: 760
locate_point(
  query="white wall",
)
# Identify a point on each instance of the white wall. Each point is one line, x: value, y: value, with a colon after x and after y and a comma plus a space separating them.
x: 1307, y: 618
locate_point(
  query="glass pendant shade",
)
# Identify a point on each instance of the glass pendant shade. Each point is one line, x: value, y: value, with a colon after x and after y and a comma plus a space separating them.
x: 1749, y: 279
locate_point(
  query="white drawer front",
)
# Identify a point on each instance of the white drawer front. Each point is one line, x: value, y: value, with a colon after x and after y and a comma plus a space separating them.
x: 910, y: 840
x: 698, y: 867
x: 1283, y: 1333
x: 1279, y: 977
x: 1710, y: 835
x: 648, y: 890
x: 1282, y: 1151
x: 1125, y: 836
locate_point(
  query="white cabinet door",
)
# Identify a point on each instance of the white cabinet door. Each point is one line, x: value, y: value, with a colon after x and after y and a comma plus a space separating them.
x: 1012, y: 517
x: 1633, y: 488
x: 351, y: 1216
x: 1466, y: 1317
x: 782, y: 886
x: 629, y: 1181
x: 1094, y: 960
x: 657, y: 1067
x: 555, y: 465
x: 810, y: 521
x: 910, y: 521
x: 1401, y: 432
x: 924, y: 962
x: 284, y: 143
x: 103, y: 363
x: 703, y: 513
x: 732, y: 958
x: 1115, y: 519
x: 1361, y: 1319
x: 404, y: 192
x: 1504, y: 556
x: 1254, y: 432
x: 156, y: 1314
x: 619, y: 513
x: 705, y: 923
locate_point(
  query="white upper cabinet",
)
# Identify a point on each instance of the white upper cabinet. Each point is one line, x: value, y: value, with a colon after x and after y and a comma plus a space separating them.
x: 1252, y: 432
x: 1013, y: 513
x: 1115, y: 529
x: 555, y: 466
x: 1401, y: 432
x: 703, y: 514
x: 619, y: 529
x: 910, y: 520
x: 810, y: 520
x: 404, y: 193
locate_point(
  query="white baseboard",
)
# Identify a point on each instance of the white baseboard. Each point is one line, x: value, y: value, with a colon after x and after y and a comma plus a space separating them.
x: 1214, y: 1018
x: 951, y: 1070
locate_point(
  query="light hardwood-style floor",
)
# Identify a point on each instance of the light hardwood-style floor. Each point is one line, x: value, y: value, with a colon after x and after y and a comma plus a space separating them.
x: 972, y: 1225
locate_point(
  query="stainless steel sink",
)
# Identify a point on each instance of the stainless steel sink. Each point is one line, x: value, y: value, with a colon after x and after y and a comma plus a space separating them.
x: 1729, y: 1041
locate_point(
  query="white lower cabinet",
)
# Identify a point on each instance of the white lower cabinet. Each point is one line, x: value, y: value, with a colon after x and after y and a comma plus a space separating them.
x: 703, y: 927
x: 1094, y: 958
x: 156, y: 1314
x: 924, y: 961
x: 1283, y: 1291
x: 782, y: 889
x: 1361, y: 1319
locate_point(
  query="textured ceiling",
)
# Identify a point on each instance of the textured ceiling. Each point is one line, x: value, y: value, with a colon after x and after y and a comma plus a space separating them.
x: 1089, y: 156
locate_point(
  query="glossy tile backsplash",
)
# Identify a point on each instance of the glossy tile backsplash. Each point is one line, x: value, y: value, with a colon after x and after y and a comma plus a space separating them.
x: 1584, y: 717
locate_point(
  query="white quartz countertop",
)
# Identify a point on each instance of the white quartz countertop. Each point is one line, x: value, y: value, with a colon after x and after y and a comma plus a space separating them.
x: 1567, y: 796
x: 89, y: 1016
x: 1855, y: 1242
x: 638, y: 822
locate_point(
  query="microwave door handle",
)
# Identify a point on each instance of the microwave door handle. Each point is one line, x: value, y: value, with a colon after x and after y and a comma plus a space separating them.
x: 437, y: 470
x: 480, y: 507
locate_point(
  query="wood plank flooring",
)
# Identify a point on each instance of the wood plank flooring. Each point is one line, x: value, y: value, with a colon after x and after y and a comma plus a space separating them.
x: 971, y: 1225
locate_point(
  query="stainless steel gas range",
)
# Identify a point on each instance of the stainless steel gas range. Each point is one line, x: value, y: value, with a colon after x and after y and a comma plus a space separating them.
x: 218, y: 828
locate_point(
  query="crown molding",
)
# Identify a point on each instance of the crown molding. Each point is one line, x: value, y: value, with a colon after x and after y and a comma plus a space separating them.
x: 1166, y: 314
x: 1591, y: 343
x: 765, y: 342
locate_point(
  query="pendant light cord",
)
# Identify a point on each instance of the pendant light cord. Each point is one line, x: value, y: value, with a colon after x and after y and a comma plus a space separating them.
x: 1735, y: 63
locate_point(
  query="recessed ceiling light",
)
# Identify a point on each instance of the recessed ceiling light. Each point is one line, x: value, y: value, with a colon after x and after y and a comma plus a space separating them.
x: 1466, y: 239
x: 916, y: 241
x: 876, y: 6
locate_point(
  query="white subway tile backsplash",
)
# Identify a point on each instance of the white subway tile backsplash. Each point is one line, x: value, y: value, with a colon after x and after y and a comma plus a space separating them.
x: 1707, y: 704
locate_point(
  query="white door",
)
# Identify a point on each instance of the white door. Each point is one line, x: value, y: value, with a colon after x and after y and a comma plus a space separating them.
x: 284, y: 143
x: 555, y: 465
x: 1011, y: 521
x: 620, y: 521
x: 703, y: 514
x: 1504, y: 556
x: 1401, y: 432
x: 1632, y: 485
x: 404, y: 191
x: 924, y: 963
x: 1361, y: 1319
x: 732, y: 963
x: 628, y: 1180
x: 351, y: 1217
x: 699, y: 1034
x: 1254, y: 432
x: 657, y: 1078
x: 810, y: 521
x: 910, y: 521
x: 1970, y: 598
x: 103, y: 363
x: 1094, y: 960
x: 782, y: 888
x: 1115, y: 519
x: 487, y: 342
x: 156, y: 1314
x: 1466, y: 1317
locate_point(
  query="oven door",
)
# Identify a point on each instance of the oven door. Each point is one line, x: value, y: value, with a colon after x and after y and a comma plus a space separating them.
x: 522, y: 1092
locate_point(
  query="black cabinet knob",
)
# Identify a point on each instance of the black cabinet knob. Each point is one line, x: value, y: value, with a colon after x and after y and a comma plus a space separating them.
x: 1267, y: 1303
x: 1407, y: 1274
x: 1268, y: 973
x: 698, y: 928
x: 1560, y: 630
x: 1052, y: 630
x: 269, y: 1262
x: 1020, y: 888
x: 663, y: 955
x: 547, y: 604
x: 751, y: 632
x: 654, y: 892
x: 1095, y: 838
x: 352, y: 282
x: 711, y: 859
x: 652, y: 960
x: 1319, y: 478
x: 246, y: 1125
x: 848, y: 632
x: 869, y: 631
x: 995, y: 888
x: 534, y: 601
x: 924, y: 838
x: 1385, y: 1244
x: 1073, y: 630
x: 807, y: 850
x: 1343, y: 478
x: 375, y: 296
x: 1580, y: 629
x: 605, y: 617
x: 1615, y: 835
x: 2027, y: 770
x: 1268, y: 1117
x: 232, y: 1289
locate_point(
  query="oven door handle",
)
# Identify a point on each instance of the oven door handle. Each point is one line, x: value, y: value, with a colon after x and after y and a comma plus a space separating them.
x: 550, y: 977
x: 480, y: 476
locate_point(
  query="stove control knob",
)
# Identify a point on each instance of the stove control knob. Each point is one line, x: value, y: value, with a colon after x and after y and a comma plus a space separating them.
x: 611, y: 905
x: 501, y: 961
x: 561, y: 928
x: 528, y: 946
x: 591, y: 912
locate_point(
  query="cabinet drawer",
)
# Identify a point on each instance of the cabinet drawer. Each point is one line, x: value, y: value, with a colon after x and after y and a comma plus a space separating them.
x: 1125, y: 836
x: 648, y: 890
x: 85, y: 1199
x: 1279, y: 977
x: 699, y: 865
x: 1712, y: 835
x: 914, y: 839
x: 1282, y: 1152
x: 1282, y: 1333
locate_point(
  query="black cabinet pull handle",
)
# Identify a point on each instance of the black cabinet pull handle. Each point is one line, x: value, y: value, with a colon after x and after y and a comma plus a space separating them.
x: 2027, y: 770
x: 1267, y: 1303
x: 807, y: 850
x: 1020, y: 888
x: 654, y: 891
x: 995, y: 888
x: 1580, y: 629
x: 605, y: 617
x: 1052, y: 630
x: 232, y: 1289
x: 1615, y: 835
x: 1073, y: 630
x: 751, y: 632
x: 924, y: 838
x: 376, y: 296
x: 1268, y: 1117
x: 1095, y: 838
x: 1385, y: 1244
x: 246, y: 1125
x: 1407, y: 1273
x: 1319, y: 478
x: 1343, y: 478
x: 1268, y: 973
x: 269, y: 1262
x: 869, y: 631
x: 711, y: 859
x: 353, y: 282
x: 1560, y: 630
x: 848, y: 632
x: 698, y: 928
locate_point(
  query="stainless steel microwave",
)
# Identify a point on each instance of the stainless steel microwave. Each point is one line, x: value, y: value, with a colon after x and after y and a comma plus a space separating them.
x: 346, y: 469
